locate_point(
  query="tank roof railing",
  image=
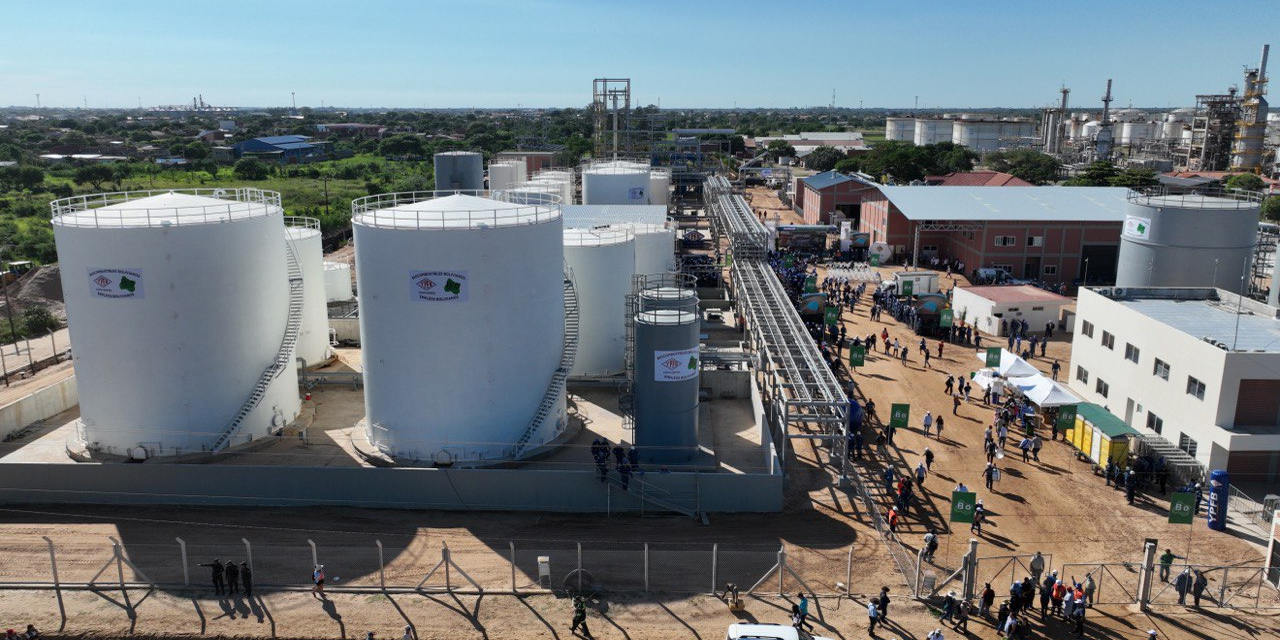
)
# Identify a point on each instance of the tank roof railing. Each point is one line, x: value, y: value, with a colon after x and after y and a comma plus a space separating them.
x: 1243, y: 199
x: 374, y: 210
x: 83, y: 208
x: 606, y: 234
x: 301, y: 222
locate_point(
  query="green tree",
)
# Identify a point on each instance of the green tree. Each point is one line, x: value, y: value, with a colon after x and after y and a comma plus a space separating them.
x: 196, y: 151
x: 1098, y: 174
x: 780, y: 149
x: 823, y: 158
x: 1134, y: 178
x: 1271, y: 209
x: 849, y: 165
x: 1245, y: 182
x: 401, y: 145
x: 250, y: 169
x: 94, y: 174
x: 1027, y: 164
x: 24, y: 178
x: 38, y: 320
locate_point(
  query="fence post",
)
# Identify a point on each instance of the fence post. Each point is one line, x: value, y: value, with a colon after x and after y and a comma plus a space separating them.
x: 646, y: 567
x: 1145, y: 573
x: 513, y: 566
x: 715, y: 566
x: 848, y: 573
x: 382, y: 566
x: 446, y: 560
x: 115, y: 546
x: 57, y: 584
x: 248, y: 552
x: 1222, y: 590
x: 315, y: 559
x: 186, y: 577
x: 579, y: 567
x: 782, y: 567
x: 971, y: 569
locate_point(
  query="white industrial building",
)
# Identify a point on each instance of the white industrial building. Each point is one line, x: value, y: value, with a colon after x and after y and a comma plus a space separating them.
x: 1198, y: 366
x: 987, y: 308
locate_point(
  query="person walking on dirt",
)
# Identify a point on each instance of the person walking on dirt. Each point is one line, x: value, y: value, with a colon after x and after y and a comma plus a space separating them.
x: 950, y: 385
x: 1037, y: 566
x: 921, y: 473
x: 1036, y: 445
x: 937, y: 427
x: 1078, y: 615
x: 928, y: 459
x: 1046, y: 594
x: 1166, y: 563
x: 962, y: 617
x: 803, y: 607
x: 873, y: 616
x: 883, y: 607
x: 1055, y: 369
x: 1089, y: 587
x: 233, y: 577
x: 216, y: 571
x: 317, y: 580
x: 246, y: 578
x: 955, y: 403
x: 1183, y: 585
x: 1198, y: 587
x: 580, y: 617
x: 948, y: 608
x: 988, y: 599
x: 930, y: 545
x: 992, y: 475
x: 928, y: 422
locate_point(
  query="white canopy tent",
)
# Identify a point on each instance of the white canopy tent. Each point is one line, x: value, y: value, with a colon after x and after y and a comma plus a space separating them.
x: 984, y: 377
x: 1047, y: 393
x: 1011, y: 365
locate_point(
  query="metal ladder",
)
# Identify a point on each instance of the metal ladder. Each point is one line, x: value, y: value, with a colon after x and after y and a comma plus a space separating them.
x: 568, y: 353
x: 283, y: 358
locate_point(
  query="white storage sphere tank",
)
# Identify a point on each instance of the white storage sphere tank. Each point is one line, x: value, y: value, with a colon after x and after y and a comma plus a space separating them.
x: 659, y: 187
x: 461, y: 322
x: 337, y: 282
x: 614, y: 184
x: 177, y: 303
x: 313, y: 337
x: 503, y: 175
x: 655, y: 248
x: 602, y: 261
x: 459, y: 171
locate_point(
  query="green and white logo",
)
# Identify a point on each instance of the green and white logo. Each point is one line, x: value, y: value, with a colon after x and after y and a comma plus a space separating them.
x: 1182, y: 508
x: 438, y: 286
x: 116, y: 283
x: 857, y: 356
x: 962, y: 504
x: 899, y: 415
x: 1136, y: 227
x: 993, y: 356
x: 675, y: 366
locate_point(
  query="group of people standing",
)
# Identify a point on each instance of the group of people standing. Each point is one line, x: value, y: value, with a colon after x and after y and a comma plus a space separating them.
x: 228, y: 577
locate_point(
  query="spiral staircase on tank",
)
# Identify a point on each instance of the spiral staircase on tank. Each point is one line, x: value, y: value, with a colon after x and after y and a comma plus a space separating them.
x: 282, y: 360
x: 559, y: 379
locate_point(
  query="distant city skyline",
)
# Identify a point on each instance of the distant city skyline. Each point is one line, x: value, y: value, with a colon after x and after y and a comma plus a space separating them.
x: 708, y: 54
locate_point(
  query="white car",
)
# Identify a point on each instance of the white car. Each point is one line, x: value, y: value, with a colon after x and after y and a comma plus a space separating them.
x: 768, y: 631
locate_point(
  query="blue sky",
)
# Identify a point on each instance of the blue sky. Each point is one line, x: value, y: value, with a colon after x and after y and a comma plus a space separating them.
x: 696, y: 53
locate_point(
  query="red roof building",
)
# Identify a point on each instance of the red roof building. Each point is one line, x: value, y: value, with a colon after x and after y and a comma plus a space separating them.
x: 976, y: 179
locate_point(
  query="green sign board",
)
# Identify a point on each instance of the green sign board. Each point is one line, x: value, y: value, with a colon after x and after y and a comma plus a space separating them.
x: 875, y: 259
x: 1182, y: 506
x: 811, y: 284
x: 832, y: 314
x: 899, y: 415
x: 993, y: 356
x: 857, y: 356
x: 962, y: 503
x: 947, y: 318
x: 1066, y: 417
x: 789, y: 261
x: 908, y: 287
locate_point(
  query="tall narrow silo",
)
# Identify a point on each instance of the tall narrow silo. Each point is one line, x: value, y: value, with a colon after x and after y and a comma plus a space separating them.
x: 1188, y: 240
x: 461, y: 325
x: 602, y: 261
x: 184, y: 308
x: 459, y: 171
x: 666, y: 385
x: 313, y: 337
x: 655, y: 248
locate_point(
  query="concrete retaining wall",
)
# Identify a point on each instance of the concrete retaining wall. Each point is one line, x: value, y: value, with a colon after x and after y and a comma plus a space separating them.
x: 41, y: 405
x: 346, y: 329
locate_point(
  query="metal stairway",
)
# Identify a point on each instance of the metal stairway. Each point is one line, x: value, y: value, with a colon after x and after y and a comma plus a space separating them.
x: 568, y: 353
x: 283, y: 358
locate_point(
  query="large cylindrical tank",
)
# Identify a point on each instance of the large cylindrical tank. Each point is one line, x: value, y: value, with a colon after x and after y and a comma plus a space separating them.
x: 602, y: 260
x: 461, y: 323
x: 903, y: 129
x: 313, y: 337
x: 655, y: 248
x: 979, y: 135
x: 503, y: 175
x: 337, y: 282
x: 1187, y: 241
x: 659, y: 186
x: 666, y: 386
x: 177, y: 303
x: 459, y: 171
x: 612, y: 184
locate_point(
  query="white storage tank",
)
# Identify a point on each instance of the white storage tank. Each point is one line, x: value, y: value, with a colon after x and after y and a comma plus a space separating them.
x: 313, y: 337
x: 337, y: 282
x: 178, y: 305
x: 503, y: 175
x: 903, y: 129
x: 615, y: 183
x: 659, y: 186
x: 461, y: 324
x: 459, y: 171
x: 602, y: 261
x: 655, y: 248
x: 1189, y: 240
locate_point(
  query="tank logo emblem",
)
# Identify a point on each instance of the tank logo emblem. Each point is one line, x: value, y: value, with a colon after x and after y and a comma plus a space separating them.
x: 675, y: 366
x: 116, y: 283
x: 438, y: 286
x: 1136, y: 227
x: 636, y: 193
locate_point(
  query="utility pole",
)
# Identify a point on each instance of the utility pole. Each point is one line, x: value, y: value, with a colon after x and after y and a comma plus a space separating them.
x: 37, y: 101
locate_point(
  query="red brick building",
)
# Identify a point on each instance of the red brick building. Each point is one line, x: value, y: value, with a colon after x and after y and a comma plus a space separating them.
x: 830, y: 192
x: 1038, y: 233
x: 976, y: 179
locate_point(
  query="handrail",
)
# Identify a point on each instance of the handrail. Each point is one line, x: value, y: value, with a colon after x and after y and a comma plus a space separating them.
x: 241, y: 203
x: 374, y: 211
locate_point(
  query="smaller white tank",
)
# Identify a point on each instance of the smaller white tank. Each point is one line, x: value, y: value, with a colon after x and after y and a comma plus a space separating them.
x: 655, y: 248
x: 313, y: 335
x: 602, y: 261
x: 337, y: 282
x: 503, y: 175
x: 615, y: 183
x: 459, y: 171
x: 659, y: 186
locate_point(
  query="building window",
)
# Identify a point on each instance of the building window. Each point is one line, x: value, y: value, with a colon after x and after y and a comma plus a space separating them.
x: 1051, y: 269
x: 1187, y: 444
x: 1195, y: 388
x: 1086, y: 328
x: 1102, y: 387
x: 929, y: 248
x: 1082, y: 375
x: 1035, y: 241
x: 1013, y: 309
x: 1130, y: 353
x: 1154, y: 422
x: 1108, y: 341
x: 1037, y: 308
x: 1161, y: 369
x: 1006, y: 241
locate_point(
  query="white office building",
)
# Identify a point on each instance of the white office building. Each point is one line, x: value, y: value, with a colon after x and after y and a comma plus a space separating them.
x: 1198, y: 366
